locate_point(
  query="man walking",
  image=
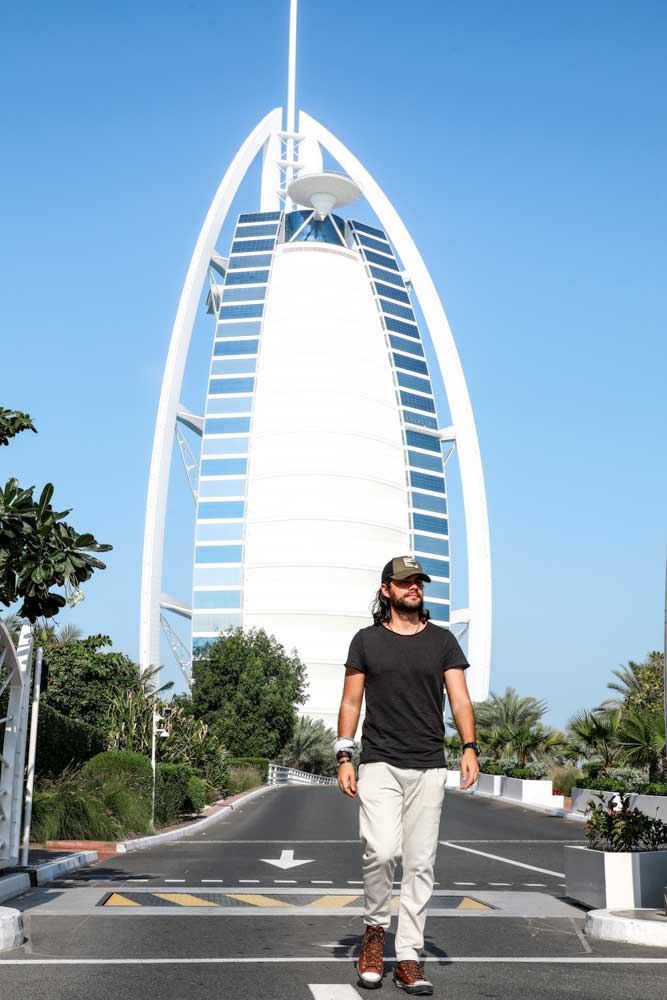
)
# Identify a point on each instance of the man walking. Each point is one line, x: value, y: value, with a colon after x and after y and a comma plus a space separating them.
x: 402, y: 663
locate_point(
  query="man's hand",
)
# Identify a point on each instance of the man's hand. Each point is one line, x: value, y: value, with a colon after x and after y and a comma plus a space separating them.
x: 469, y: 769
x: 347, y: 781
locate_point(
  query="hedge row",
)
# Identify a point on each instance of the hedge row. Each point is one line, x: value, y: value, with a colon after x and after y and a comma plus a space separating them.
x: 614, y: 785
x: 260, y: 763
x: 62, y: 742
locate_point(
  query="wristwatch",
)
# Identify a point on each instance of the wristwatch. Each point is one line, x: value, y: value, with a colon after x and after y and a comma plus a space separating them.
x: 471, y: 746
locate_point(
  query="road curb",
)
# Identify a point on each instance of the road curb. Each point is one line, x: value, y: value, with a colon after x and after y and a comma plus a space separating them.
x: 637, y: 927
x: 140, y: 843
x: 49, y: 871
x: 11, y: 928
x: 13, y: 885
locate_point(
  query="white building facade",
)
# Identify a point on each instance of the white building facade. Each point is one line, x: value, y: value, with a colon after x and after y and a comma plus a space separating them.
x: 322, y: 451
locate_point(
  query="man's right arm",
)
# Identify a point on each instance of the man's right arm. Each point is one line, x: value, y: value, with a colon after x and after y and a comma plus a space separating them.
x: 348, y: 720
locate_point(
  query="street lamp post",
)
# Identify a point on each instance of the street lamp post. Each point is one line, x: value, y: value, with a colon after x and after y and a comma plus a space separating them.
x: 156, y: 731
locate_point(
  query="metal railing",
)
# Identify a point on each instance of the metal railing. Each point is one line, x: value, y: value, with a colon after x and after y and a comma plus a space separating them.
x: 279, y: 774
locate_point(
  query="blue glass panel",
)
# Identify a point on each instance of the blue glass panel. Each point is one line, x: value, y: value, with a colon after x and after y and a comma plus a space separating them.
x: 314, y: 230
x: 436, y: 484
x: 424, y: 522
x: 389, y: 292
x: 225, y: 446
x: 439, y: 612
x: 204, y: 599
x: 417, y: 402
x: 435, y: 589
x: 425, y: 441
x: 393, y: 279
x: 431, y: 462
x: 217, y: 576
x: 247, y: 278
x: 251, y: 310
x: 412, y: 364
x: 424, y: 501
x: 410, y: 382
x: 371, y: 244
x: 434, y: 567
x: 228, y: 404
x: 400, y: 326
x: 227, y: 425
x: 220, y: 385
x: 222, y: 508
x: 393, y: 307
x: 256, y: 260
x: 254, y: 293
x: 375, y: 258
x: 232, y: 366
x: 217, y: 489
x: 218, y: 553
x: 216, y: 621
x: 235, y: 347
x: 252, y: 246
x: 363, y: 228
x: 201, y: 646
x: 222, y: 531
x: 224, y: 467
x: 259, y: 229
x: 438, y: 546
x: 260, y: 217
x: 409, y: 346
x: 250, y: 328
x: 420, y: 420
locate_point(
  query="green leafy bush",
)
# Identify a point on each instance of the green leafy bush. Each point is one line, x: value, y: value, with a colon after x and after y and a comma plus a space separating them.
x: 132, y: 768
x: 565, y: 778
x: 632, y: 778
x: 70, y: 813
x: 654, y: 788
x: 171, y: 792
x: 260, y: 764
x: 197, y: 793
x: 602, y: 784
x: 241, y: 779
x: 610, y: 828
x: 64, y: 742
x: 520, y: 772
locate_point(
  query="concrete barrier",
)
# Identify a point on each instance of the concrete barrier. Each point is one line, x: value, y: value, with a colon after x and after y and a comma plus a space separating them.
x: 535, y: 791
x: 489, y: 784
x: 651, y: 805
x: 11, y: 928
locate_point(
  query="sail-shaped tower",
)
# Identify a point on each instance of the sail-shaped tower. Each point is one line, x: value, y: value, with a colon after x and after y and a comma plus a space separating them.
x: 322, y: 452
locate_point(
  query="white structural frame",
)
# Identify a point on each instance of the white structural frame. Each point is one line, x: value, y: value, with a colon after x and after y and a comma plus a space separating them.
x: 17, y: 665
x: 311, y: 137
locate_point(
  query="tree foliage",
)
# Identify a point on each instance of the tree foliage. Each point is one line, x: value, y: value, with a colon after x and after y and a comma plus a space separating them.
x: 310, y: 747
x: 247, y: 688
x: 641, y: 685
x: 593, y: 736
x: 39, y: 550
x: 508, y: 709
x: 79, y: 678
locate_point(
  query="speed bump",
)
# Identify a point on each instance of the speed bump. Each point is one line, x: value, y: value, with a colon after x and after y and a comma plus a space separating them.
x: 235, y: 899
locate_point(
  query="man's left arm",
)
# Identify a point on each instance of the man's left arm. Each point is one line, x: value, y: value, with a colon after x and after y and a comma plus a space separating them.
x: 464, y: 717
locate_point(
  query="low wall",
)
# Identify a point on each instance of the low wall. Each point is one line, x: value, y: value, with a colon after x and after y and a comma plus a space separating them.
x: 651, y: 805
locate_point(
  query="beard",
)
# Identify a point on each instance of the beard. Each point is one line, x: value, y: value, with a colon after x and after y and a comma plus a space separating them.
x: 406, y: 608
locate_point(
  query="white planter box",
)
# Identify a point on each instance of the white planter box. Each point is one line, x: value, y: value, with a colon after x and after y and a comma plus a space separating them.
x: 453, y: 779
x: 652, y: 805
x: 489, y: 784
x: 530, y: 790
x: 616, y: 881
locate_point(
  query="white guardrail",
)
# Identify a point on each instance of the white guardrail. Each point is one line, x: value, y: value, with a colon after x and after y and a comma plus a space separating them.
x: 281, y: 775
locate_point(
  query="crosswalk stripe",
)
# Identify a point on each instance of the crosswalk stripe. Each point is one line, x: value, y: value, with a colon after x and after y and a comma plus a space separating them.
x: 333, y: 991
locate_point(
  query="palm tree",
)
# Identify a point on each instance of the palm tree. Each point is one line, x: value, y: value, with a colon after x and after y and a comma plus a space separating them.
x: 493, y: 742
x: 310, y: 747
x: 593, y: 735
x: 529, y: 742
x: 641, y: 741
x: 130, y: 713
x: 508, y: 709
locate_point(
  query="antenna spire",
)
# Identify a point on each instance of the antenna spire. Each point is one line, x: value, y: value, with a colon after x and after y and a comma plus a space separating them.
x: 291, y: 70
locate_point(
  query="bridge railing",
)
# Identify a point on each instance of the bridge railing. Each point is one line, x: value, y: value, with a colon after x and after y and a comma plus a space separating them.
x: 279, y: 774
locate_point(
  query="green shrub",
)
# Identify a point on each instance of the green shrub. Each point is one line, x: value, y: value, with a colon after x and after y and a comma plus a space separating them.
x: 261, y: 764
x: 196, y: 797
x: 653, y: 788
x: 124, y: 765
x: 601, y: 784
x: 610, y: 828
x: 565, y: 778
x: 64, y: 742
x: 520, y: 772
x: 241, y: 779
x: 67, y: 812
x: 632, y: 778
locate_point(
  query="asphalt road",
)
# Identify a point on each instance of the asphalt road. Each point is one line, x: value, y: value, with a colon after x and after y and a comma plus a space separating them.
x: 268, y: 903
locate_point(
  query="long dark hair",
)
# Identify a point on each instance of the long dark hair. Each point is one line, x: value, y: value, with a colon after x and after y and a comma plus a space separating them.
x: 381, y: 609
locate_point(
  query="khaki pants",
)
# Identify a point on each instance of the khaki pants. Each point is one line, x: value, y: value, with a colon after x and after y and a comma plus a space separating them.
x: 399, y: 816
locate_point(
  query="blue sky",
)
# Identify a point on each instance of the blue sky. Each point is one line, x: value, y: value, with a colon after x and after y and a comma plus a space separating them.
x: 524, y: 145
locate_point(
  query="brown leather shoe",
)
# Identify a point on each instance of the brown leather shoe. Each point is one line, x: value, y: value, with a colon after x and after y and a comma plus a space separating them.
x: 409, y: 976
x: 369, y: 964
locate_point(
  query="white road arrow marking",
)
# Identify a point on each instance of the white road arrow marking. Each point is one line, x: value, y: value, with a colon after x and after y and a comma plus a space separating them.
x: 333, y: 991
x: 286, y: 860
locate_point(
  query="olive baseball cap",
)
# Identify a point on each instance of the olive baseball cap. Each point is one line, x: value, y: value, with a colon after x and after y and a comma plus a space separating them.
x: 401, y: 567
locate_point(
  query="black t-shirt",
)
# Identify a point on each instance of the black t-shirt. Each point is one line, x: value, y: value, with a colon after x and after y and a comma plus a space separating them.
x: 404, y: 691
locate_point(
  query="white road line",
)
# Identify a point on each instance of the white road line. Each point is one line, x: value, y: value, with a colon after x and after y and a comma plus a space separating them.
x: 333, y: 991
x: 584, y: 943
x: 249, y: 881
x: 497, y: 857
x: 578, y: 840
x: 351, y: 882
x: 186, y: 843
x: 505, y: 883
x: 212, y: 880
x: 322, y: 881
x: 284, y: 881
x: 503, y: 960
x: 465, y: 883
x: 536, y: 885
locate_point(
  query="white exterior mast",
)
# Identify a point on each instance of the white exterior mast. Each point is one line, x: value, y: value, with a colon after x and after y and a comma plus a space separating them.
x: 291, y: 99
